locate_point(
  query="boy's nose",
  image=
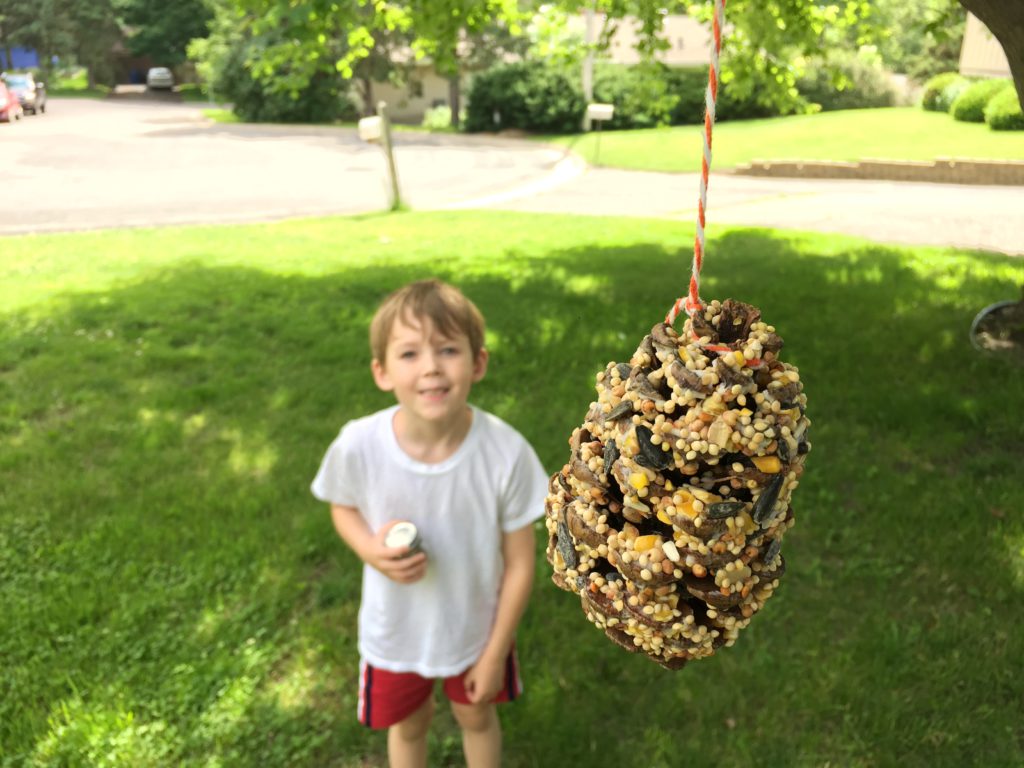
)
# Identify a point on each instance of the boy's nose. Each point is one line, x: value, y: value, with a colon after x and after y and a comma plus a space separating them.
x: 433, y: 362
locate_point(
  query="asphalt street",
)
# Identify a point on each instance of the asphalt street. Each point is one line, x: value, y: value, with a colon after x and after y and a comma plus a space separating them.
x: 90, y: 164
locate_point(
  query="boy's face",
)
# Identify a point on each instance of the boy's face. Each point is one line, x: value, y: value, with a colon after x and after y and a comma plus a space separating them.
x: 430, y: 374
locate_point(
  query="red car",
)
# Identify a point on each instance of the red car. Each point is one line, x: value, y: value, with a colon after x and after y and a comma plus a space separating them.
x: 10, y: 107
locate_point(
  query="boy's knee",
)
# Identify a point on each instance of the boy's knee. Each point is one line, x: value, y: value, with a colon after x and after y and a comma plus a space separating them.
x: 475, y: 717
x: 416, y: 725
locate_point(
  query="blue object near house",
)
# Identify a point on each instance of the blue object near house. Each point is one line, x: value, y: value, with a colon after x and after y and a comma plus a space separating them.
x: 21, y: 58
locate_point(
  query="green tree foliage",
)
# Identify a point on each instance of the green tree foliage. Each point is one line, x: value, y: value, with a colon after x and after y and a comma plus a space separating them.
x: 84, y: 30
x: 765, y: 45
x: 231, y: 62
x: 162, y: 30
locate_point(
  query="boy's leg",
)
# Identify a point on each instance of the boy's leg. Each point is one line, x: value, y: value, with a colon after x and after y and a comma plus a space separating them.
x: 407, y: 740
x: 403, y: 703
x: 481, y: 729
x: 481, y: 734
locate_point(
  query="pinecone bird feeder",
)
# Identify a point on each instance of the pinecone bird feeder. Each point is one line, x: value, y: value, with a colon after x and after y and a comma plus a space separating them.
x: 668, y: 519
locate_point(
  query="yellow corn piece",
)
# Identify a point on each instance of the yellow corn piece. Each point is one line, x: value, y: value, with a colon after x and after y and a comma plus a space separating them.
x: 669, y: 486
x: 643, y: 543
x: 738, y: 357
x: 768, y: 464
x: 639, y: 480
x: 687, y: 509
x: 663, y: 516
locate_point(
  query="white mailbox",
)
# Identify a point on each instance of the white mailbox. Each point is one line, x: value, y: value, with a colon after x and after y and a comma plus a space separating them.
x: 600, y: 112
x: 371, y: 128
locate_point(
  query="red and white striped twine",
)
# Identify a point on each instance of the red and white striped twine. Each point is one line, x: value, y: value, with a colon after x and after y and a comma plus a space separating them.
x: 691, y: 302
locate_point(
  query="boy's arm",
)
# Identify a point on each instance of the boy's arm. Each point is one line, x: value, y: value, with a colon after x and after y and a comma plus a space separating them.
x: 369, y: 547
x: 519, y: 549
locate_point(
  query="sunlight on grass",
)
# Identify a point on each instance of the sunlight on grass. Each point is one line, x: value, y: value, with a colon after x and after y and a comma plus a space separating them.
x: 250, y: 455
x: 81, y: 734
x: 233, y: 699
x: 1015, y: 554
x: 897, y: 133
x: 172, y: 595
x: 292, y: 688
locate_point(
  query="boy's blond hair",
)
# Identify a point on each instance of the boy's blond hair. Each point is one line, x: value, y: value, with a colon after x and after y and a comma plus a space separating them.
x: 443, y: 305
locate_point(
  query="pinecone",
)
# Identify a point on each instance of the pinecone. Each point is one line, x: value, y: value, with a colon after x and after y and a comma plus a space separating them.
x: 668, y: 519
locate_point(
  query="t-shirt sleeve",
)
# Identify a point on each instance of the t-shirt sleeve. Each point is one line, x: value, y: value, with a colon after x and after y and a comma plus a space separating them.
x: 338, y: 480
x: 527, y: 487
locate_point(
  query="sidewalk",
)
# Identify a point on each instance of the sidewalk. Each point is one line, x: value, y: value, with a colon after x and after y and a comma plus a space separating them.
x: 975, y: 216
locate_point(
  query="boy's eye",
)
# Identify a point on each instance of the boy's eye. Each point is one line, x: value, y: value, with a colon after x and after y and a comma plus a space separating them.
x: 407, y: 355
x: 450, y: 350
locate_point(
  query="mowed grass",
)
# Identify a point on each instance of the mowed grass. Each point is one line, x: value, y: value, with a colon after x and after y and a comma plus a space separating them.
x: 172, y: 595
x: 903, y: 133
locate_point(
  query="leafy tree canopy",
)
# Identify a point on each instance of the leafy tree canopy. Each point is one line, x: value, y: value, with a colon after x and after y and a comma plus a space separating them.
x: 162, y: 30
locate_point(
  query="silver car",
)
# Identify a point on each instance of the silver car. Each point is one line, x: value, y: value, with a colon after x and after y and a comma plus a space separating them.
x: 159, y: 78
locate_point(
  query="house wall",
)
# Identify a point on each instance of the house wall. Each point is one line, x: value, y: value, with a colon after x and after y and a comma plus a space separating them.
x: 404, y: 107
x: 21, y: 58
x: 689, y: 40
x: 981, y: 55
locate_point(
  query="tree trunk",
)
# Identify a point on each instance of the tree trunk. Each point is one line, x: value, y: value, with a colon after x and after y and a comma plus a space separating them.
x: 455, y: 98
x: 1005, y: 20
x: 366, y: 96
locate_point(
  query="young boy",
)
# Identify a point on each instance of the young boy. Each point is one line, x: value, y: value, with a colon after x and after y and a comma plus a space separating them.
x: 473, y: 487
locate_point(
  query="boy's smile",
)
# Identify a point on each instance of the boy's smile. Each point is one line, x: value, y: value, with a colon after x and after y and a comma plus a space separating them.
x: 430, y: 373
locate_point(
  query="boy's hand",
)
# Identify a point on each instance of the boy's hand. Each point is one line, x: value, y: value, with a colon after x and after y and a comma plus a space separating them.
x: 484, y: 679
x: 392, y: 561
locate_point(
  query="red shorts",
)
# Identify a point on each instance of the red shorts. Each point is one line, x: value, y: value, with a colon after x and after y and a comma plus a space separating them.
x: 386, y: 698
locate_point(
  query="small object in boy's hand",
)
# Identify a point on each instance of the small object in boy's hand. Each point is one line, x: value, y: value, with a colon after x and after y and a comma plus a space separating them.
x: 404, y: 534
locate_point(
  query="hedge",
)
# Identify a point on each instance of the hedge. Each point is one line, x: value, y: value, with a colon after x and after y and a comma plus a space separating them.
x: 969, y: 106
x: 528, y: 95
x: 867, y: 85
x: 1003, y: 112
x: 538, y: 96
x: 940, y: 91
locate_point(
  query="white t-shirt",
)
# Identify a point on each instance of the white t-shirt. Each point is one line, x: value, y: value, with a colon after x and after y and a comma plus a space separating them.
x: 493, y: 483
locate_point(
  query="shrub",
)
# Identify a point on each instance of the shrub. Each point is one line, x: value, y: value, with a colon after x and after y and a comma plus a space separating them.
x: 1003, y: 112
x: 440, y: 118
x: 529, y: 95
x: 690, y: 85
x: 846, y: 81
x: 681, y: 90
x: 223, y: 64
x: 969, y: 106
x: 643, y: 95
x: 937, y: 91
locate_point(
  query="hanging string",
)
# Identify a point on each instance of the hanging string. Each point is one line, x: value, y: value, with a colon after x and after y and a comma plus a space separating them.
x: 691, y: 302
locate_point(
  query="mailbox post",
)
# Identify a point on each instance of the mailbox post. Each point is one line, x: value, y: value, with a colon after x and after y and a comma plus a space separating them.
x: 378, y: 129
x: 598, y: 113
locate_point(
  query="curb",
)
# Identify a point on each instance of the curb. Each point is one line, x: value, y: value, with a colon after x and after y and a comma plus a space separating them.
x: 940, y: 171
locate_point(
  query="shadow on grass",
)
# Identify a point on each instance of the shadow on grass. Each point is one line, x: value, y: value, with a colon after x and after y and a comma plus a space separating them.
x: 173, y: 594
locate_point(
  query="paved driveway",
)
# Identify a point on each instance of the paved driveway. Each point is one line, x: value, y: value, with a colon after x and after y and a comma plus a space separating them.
x: 98, y: 164
x: 91, y: 164
x: 989, y: 218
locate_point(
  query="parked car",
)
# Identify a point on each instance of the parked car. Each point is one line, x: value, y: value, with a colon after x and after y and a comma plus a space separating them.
x: 159, y: 78
x: 30, y: 92
x: 10, y: 107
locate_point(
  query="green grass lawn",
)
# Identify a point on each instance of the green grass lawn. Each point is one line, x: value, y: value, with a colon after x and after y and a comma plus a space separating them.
x: 172, y: 594
x: 905, y: 133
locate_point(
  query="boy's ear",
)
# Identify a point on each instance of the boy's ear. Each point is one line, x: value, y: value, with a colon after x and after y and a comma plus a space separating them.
x: 480, y: 365
x: 380, y: 376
